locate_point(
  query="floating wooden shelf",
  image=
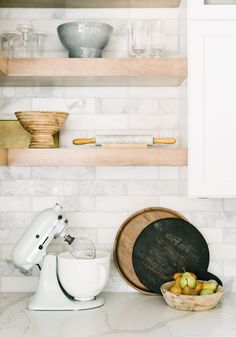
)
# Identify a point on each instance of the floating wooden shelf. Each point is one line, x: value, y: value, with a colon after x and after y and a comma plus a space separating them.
x: 95, y: 156
x: 3, y: 157
x: 92, y: 72
x: 90, y: 3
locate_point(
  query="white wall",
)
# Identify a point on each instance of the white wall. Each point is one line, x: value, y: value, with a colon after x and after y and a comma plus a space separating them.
x: 98, y: 200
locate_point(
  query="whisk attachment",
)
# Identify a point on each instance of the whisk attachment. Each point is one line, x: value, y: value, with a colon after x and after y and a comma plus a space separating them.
x: 69, y: 239
x: 80, y: 248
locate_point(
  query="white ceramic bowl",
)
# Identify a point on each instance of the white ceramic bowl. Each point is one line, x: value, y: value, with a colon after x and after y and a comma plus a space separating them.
x: 83, y: 279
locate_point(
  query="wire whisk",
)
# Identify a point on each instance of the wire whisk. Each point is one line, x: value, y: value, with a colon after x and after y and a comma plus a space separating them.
x: 80, y: 248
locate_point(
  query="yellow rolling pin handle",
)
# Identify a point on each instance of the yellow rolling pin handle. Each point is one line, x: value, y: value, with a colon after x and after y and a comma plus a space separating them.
x: 164, y: 140
x: 84, y: 141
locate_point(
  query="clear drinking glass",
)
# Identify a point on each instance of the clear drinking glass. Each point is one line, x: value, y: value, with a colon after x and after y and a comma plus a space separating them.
x: 26, y: 31
x: 9, y: 41
x: 38, y: 39
x: 3, y: 41
x: 158, y: 38
x: 139, y: 37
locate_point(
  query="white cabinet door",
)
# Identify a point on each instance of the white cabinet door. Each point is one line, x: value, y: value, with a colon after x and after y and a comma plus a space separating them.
x: 202, y: 10
x: 212, y: 109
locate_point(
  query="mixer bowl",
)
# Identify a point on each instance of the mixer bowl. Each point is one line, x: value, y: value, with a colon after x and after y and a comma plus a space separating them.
x: 83, y: 279
x: 84, y: 39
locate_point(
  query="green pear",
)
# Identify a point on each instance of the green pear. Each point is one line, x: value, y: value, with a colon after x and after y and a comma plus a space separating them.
x: 206, y: 292
x: 187, y: 280
x: 209, y: 285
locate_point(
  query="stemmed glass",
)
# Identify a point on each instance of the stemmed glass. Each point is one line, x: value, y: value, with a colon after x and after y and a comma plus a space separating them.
x: 31, y: 42
x: 139, y: 35
x: 158, y: 38
x: 10, y: 39
x: 26, y: 31
x: 39, y: 39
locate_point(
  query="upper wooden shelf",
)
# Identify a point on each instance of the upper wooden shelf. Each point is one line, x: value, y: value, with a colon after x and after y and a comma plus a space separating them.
x: 90, y: 3
x: 92, y: 72
x: 94, y: 156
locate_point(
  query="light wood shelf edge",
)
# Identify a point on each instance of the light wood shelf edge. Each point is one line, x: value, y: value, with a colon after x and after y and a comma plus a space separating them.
x: 4, y: 64
x: 3, y: 157
x: 90, y: 3
x: 93, y: 72
x: 95, y: 156
x: 95, y: 67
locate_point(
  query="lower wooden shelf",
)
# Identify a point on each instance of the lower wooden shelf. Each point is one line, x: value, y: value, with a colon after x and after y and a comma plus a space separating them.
x: 95, y: 156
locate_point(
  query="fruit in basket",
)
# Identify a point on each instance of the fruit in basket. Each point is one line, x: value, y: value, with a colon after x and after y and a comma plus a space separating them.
x: 187, y: 280
x: 198, y: 287
x: 186, y: 283
x: 209, y: 285
x: 189, y: 291
x: 206, y: 292
x: 177, y: 275
x: 177, y: 280
x: 176, y: 289
x: 212, y: 281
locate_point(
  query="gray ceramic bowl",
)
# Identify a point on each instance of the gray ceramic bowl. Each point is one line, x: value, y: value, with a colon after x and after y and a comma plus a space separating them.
x: 84, y: 38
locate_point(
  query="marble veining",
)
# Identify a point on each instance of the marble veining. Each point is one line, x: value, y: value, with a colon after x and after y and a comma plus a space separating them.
x: 123, y: 315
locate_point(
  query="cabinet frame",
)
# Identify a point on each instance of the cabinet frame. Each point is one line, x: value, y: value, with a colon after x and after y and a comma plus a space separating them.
x: 212, y: 156
x: 198, y: 10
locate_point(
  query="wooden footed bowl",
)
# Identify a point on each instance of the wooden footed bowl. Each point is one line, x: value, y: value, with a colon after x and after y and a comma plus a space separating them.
x: 191, y: 302
x: 42, y: 125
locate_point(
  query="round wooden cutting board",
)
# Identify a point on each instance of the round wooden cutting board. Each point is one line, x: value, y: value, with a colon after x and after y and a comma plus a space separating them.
x: 167, y: 246
x: 126, y: 237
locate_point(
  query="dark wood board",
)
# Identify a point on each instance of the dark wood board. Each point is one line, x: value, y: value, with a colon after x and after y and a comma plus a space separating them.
x: 126, y: 237
x: 167, y: 246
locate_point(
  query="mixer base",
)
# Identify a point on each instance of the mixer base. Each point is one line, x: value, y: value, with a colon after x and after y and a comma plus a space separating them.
x: 50, y: 296
x: 73, y: 305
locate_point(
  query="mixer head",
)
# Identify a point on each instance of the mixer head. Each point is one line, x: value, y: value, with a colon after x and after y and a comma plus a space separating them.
x: 31, y: 247
x: 48, y: 225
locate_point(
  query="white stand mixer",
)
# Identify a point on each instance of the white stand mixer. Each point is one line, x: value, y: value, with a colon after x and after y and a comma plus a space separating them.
x: 31, y: 249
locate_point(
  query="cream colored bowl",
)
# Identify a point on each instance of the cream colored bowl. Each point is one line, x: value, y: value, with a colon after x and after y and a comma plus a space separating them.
x: 84, y: 279
x: 190, y: 302
x: 42, y: 125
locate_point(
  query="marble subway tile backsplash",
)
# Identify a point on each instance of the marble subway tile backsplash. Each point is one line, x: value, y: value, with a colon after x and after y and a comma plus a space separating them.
x: 13, y: 203
x: 70, y: 203
x: 47, y: 21
x: 93, y: 111
x: 97, y: 201
x: 31, y: 188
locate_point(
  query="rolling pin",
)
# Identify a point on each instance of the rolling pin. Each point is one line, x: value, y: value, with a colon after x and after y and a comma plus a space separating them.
x: 117, y: 139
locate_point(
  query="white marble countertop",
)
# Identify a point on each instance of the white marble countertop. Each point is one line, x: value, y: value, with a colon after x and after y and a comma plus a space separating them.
x: 123, y: 315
